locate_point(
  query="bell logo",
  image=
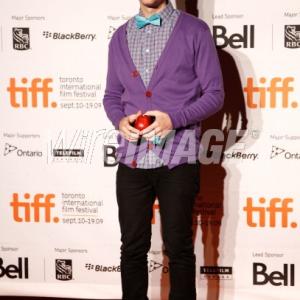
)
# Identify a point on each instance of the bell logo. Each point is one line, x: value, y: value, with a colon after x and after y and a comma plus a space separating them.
x: 285, y: 278
x: 236, y: 40
x: 19, y: 271
x: 272, y: 213
x: 267, y: 96
x: 24, y: 211
x: 34, y: 95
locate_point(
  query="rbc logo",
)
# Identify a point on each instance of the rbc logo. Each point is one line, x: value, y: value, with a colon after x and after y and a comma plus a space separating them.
x: 63, y: 269
x: 292, y: 36
x: 21, y: 39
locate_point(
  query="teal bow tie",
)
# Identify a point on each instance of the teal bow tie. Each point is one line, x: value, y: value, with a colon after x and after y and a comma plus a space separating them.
x: 141, y: 21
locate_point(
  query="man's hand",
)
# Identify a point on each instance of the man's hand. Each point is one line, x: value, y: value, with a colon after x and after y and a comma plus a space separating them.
x: 160, y: 127
x: 126, y: 130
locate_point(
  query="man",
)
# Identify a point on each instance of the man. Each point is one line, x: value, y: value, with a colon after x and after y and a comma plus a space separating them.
x: 162, y: 62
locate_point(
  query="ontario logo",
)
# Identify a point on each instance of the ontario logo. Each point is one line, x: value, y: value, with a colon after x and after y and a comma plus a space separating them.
x: 12, y: 149
x: 154, y: 265
x: 292, y: 36
x: 280, y: 152
x: 21, y: 38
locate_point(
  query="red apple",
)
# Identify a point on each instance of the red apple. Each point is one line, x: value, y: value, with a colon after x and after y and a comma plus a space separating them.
x: 143, y: 121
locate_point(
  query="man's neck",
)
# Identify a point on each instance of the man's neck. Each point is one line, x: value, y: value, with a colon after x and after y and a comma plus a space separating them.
x: 149, y: 11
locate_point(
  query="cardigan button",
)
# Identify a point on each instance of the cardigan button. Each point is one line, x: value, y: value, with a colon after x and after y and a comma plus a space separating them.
x: 134, y: 163
x: 135, y: 73
x: 148, y: 93
x: 150, y: 146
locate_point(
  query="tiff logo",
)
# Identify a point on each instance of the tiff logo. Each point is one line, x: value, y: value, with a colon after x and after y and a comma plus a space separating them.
x: 24, y: 95
x: 272, y: 213
x: 266, y: 95
x: 30, y: 209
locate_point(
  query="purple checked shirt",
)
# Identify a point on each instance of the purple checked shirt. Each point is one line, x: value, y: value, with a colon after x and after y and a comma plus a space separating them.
x: 186, y: 83
x: 145, y: 46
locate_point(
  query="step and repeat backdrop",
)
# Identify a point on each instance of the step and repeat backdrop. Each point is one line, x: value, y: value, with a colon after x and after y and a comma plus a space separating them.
x: 59, y: 231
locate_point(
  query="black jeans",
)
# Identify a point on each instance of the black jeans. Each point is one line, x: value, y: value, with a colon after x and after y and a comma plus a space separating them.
x: 176, y: 190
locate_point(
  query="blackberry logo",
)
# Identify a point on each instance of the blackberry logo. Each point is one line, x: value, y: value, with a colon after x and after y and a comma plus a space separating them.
x: 69, y: 36
x: 153, y: 265
x: 8, y: 148
x: 102, y: 268
x: 21, y: 39
x: 292, y: 36
x: 63, y: 269
x: 276, y: 151
x: 47, y: 34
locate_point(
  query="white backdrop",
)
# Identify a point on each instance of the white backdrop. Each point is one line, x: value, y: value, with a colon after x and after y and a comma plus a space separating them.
x: 58, y: 213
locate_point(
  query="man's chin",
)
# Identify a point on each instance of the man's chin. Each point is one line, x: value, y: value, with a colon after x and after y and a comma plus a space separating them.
x: 154, y: 4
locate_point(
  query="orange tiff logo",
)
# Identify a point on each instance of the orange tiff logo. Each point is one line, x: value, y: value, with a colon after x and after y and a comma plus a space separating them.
x: 31, y: 208
x: 273, y: 94
x: 32, y: 93
x: 269, y: 213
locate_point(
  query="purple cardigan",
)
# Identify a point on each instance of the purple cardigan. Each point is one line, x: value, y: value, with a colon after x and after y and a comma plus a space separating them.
x: 186, y: 83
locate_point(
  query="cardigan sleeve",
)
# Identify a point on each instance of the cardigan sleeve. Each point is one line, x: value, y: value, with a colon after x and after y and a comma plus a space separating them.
x: 208, y: 71
x: 113, y: 91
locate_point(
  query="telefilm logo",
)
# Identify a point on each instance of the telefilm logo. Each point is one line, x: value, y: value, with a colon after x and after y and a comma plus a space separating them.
x: 262, y: 276
x: 10, y: 149
x: 63, y: 269
x: 245, y: 39
x: 216, y: 272
x: 273, y: 93
x: 33, y: 208
x: 69, y: 36
x: 32, y: 93
x: 280, y: 152
x: 13, y: 271
x: 62, y: 153
x: 292, y: 36
x: 21, y: 38
x: 271, y: 213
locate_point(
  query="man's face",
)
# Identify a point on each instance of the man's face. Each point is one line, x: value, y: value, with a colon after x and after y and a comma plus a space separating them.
x: 152, y: 3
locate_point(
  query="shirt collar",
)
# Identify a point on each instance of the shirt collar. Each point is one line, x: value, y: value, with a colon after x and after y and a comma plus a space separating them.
x: 165, y: 13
